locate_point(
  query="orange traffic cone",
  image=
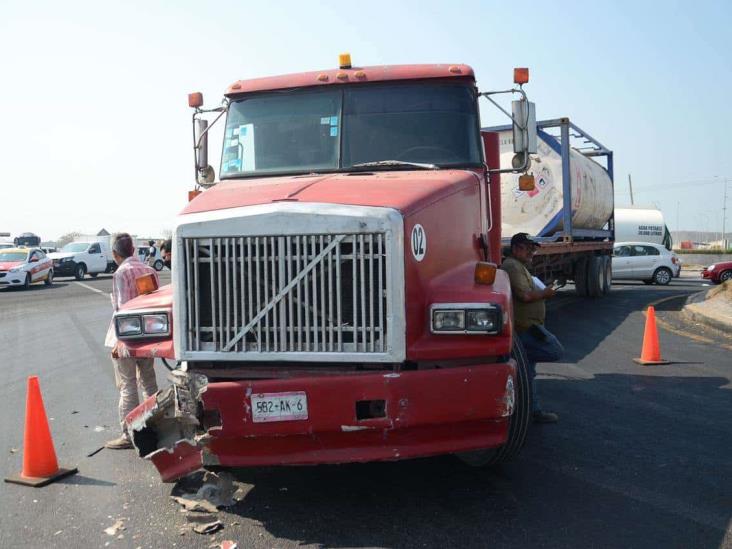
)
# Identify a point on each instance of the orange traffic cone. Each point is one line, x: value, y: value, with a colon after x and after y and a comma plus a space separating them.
x: 39, y: 457
x: 651, y: 352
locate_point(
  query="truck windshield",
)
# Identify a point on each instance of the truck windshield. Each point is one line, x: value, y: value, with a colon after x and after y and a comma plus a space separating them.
x: 327, y: 129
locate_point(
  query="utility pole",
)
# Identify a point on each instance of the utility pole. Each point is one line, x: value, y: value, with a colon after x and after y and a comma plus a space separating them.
x: 630, y: 184
x: 724, y: 216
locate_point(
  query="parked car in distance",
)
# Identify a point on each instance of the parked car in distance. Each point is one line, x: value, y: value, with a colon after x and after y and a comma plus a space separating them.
x: 24, y: 266
x: 78, y: 259
x: 651, y: 263
x: 718, y: 272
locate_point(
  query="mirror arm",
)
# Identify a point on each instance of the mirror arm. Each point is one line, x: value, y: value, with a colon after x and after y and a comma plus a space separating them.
x: 487, y: 95
x: 221, y: 110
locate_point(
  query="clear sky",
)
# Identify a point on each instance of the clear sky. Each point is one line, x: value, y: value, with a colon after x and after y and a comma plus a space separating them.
x: 96, y: 129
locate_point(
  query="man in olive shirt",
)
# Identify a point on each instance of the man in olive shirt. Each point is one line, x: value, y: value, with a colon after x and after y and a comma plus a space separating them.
x: 529, y: 312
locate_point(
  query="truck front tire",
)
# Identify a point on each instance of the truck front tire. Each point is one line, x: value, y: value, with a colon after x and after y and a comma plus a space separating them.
x: 79, y: 271
x: 518, y: 424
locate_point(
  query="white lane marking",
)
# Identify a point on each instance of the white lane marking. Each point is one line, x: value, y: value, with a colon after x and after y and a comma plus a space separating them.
x: 92, y: 288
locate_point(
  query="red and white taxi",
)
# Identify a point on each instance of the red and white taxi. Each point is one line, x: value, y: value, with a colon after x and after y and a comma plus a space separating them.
x: 24, y: 266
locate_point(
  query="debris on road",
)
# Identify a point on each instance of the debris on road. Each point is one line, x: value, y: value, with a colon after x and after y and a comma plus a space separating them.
x: 95, y: 452
x: 195, y: 504
x: 99, y: 429
x: 224, y: 544
x: 115, y: 528
x: 209, y: 528
x: 14, y: 450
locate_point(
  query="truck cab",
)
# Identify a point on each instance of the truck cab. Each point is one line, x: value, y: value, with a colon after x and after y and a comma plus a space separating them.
x: 335, y: 296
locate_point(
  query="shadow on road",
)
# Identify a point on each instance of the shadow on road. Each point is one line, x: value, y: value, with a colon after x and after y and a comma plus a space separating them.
x: 635, y: 461
x: 81, y: 480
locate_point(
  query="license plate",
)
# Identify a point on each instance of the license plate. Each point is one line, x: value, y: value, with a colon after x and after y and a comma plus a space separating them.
x: 279, y: 407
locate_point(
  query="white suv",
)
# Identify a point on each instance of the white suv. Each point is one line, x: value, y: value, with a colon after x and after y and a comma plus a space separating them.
x: 644, y: 261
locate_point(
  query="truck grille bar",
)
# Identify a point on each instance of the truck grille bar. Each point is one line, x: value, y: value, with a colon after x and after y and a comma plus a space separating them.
x: 323, y: 293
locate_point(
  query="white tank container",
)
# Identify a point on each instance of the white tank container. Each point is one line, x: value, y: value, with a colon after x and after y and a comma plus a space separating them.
x: 637, y: 224
x: 539, y: 212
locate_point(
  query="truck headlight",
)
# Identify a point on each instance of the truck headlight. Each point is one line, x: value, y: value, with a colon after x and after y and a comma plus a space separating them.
x: 129, y: 325
x: 448, y: 321
x: 142, y: 324
x: 466, y: 318
x: 482, y: 320
x: 65, y: 259
x: 155, y: 324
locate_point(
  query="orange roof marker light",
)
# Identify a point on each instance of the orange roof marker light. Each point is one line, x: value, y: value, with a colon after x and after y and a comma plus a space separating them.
x: 485, y: 273
x: 521, y: 75
x: 344, y: 61
x: 195, y: 100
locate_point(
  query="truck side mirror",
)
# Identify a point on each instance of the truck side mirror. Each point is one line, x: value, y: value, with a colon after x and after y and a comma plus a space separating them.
x: 524, y: 127
x: 205, y: 173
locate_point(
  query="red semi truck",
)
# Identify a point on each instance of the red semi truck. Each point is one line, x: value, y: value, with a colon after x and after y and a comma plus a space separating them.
x: 335, y: 296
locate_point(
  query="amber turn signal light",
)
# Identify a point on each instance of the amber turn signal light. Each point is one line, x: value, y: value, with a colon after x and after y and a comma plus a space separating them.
x: 520, y: 75
x: 146, y: 284
x: 485, y: 273
x: 195, y: 100
x: 193, y: 194
x: 526, y: 182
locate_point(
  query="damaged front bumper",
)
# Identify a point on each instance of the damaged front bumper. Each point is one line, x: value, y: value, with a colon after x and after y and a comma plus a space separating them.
x: 198, y: 424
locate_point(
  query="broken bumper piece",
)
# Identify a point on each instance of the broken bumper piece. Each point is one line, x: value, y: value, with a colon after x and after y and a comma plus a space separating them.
x: 351, y: 418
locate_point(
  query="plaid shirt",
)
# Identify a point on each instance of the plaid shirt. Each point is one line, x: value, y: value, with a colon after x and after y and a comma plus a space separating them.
x: 124, y: 288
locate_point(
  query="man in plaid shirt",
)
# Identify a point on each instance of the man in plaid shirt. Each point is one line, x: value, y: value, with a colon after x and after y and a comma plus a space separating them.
x: 127, y: 371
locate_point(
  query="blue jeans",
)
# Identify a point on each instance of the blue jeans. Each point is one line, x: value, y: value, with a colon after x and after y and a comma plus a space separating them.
x: 540, y: 345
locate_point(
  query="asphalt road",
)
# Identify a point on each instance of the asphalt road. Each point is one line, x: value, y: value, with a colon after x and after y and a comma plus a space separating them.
x: 640, y: 457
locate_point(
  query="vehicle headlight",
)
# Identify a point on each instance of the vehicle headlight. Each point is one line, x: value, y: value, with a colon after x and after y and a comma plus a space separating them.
x: 155, y: 324
x: 129, y: 325
x: 15, y: 270
x: 448, y: 321
x: 482, y: 320
x: 467, y: 318
x: 144, y: 324
x: 65, y: 259
x: 711, y: 267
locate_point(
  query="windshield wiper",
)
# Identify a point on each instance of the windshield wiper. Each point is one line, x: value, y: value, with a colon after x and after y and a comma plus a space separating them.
x: 393, y: 163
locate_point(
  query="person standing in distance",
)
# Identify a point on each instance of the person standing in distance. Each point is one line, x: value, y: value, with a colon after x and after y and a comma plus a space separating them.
x: 166, y: 252
x: 127, y: 370
x: 529, y: 313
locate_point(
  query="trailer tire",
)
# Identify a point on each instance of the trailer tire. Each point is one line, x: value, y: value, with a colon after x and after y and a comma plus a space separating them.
x: 580, y: 276
x: 519, y: 423
x: 595, y: 276
x: 607, y: 274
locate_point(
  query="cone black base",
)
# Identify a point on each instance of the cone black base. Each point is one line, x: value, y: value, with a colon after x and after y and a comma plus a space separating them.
x: 650, y: 362
x: 37, y: 482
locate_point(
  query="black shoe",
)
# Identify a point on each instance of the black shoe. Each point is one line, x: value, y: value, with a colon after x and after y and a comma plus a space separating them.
x: 545, y: 417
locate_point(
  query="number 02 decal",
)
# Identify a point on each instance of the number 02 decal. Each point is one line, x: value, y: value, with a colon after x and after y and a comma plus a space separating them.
x: 419, y: 242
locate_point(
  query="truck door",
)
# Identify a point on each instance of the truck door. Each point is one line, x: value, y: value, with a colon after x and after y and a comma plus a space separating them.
x: 97, y: 260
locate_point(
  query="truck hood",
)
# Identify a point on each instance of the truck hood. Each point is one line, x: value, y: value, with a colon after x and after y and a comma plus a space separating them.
x: 159, y: 299
x: 7, y: 265
x: 61, y: 255
x: 406, y: 191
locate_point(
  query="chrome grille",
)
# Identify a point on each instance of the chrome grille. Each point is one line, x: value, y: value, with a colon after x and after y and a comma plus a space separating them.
x: 323, y: 293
